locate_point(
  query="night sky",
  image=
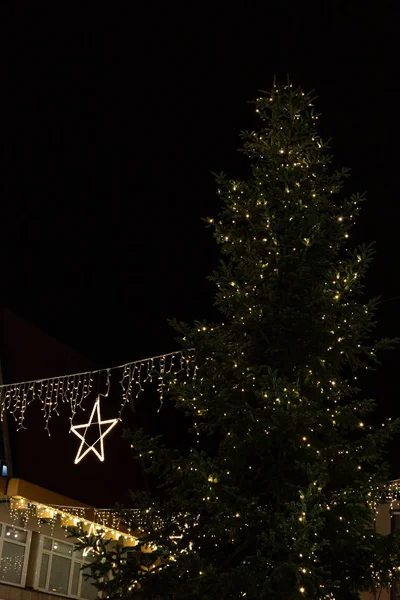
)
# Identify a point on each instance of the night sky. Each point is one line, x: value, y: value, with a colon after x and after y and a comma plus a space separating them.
x: 114, y: 123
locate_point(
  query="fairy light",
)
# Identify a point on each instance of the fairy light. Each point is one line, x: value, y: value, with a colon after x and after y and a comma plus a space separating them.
x: 75, y: 388
x: 106, y: 521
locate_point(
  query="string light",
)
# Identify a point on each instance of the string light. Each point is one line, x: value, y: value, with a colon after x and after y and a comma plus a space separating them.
x: 104, y: 522
x: 74, y: 389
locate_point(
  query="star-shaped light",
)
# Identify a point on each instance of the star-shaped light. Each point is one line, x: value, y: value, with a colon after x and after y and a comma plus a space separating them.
x: 102, y: 434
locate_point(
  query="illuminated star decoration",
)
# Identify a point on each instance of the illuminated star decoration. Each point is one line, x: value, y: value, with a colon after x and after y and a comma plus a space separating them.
x: 102, y: 434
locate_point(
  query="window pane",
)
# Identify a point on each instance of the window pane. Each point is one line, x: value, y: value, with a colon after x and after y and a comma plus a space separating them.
x: 59, y: 575
x: 75, y: 579
x: 88, y: 590
x: 14, y: 533
x: 47, y: 543
x: 62, y: 548
x: 43, y: 571
x: 11, y: 562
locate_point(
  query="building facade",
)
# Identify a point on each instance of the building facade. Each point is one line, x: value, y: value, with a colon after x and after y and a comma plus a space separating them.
x: 36, y: 559
x: 37, y: 555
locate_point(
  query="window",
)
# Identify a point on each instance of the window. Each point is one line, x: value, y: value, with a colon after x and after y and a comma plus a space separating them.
x: 59, y: 570
x: 14, y: 553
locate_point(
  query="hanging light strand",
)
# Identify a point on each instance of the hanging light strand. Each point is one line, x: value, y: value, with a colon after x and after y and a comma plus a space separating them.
x: 73, y: 389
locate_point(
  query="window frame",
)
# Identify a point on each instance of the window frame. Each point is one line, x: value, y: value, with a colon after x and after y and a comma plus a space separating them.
x: 50, y: 553
x: 26, y: 545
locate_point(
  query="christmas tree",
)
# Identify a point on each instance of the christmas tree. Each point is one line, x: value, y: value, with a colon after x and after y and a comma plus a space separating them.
x: 276, y: 496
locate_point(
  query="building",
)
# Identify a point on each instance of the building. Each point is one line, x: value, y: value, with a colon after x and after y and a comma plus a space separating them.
x: 42, y: 491
x: 387, y: 520
x: 37, y: 558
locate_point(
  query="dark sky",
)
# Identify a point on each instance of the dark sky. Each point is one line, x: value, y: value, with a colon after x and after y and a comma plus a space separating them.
x: 115, y: 121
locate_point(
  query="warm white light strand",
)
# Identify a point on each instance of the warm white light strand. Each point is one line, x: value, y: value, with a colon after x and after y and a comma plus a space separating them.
x: 74, y: 388
x: 23, y: 510
x: 103, y: 370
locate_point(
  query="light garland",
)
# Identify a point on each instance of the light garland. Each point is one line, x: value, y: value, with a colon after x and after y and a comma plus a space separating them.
x: 74, y: 389
x: 93, y: 521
